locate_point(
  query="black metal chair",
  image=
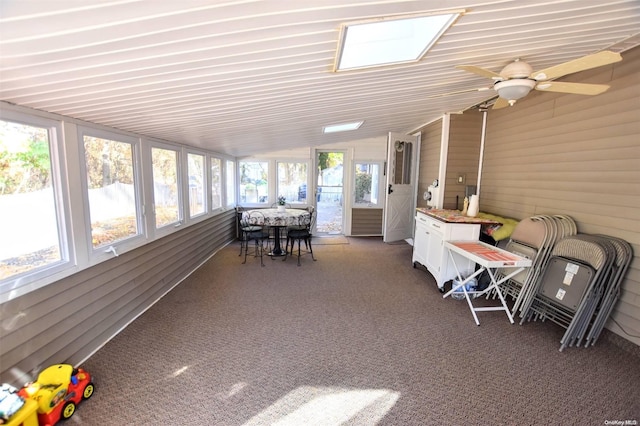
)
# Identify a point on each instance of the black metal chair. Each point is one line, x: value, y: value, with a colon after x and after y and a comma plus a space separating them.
x: 299, y: 234
x: 251, y: 225
x: 243, y: 228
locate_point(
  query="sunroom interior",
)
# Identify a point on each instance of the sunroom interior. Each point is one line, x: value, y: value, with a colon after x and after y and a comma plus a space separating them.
x: 206, y: 88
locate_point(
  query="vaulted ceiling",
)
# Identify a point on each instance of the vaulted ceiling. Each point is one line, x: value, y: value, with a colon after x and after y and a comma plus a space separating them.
x: 242, y: 77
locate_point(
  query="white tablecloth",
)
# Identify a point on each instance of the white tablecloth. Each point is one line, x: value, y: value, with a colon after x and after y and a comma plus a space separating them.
x: 273, y: 217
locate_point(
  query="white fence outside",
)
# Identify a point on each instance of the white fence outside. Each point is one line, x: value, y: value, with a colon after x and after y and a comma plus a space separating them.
x: 28, y: 220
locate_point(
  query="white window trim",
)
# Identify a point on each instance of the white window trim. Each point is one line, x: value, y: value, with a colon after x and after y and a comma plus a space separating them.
x: 271, y: 185
x: 306, y: 161
x: 100, y: 254
x: 230, y: 204
x: 20, y: 284
x: 150, y: 199
x: 206, y: 186
x: 381, y: 183
x: 208, y: 163
x: 67, y: 158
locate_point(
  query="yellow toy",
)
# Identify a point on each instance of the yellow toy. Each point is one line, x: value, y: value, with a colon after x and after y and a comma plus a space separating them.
x: 57, y: 391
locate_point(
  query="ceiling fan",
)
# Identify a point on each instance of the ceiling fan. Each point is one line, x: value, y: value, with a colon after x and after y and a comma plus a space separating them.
x: 517, y: 79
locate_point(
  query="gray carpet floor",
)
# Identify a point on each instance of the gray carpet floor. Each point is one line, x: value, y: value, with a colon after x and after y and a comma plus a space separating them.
x: 359, y: 337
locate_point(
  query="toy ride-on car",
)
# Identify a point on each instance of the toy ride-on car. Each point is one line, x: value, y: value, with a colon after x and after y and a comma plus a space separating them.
x: 58, y: 390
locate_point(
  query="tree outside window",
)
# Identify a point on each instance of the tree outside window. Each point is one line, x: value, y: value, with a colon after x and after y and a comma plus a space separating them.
x: 254, y: 179
x: 216, y: 183
x: 231, y: 182
x: 111, y: 190
x: 28, y: 211
x: 367, y: 177
x: 195, y: 168
x: 165, y: 186
x: 292, y: 181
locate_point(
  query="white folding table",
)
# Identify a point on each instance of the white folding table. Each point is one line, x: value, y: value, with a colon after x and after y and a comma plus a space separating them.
x: 489, y: 258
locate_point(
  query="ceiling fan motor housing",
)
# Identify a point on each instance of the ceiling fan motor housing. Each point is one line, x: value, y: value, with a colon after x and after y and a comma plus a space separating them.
x: 516, y: 69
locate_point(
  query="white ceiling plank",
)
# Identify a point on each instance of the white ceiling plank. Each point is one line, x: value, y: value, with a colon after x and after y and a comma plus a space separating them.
x: 247, y: 76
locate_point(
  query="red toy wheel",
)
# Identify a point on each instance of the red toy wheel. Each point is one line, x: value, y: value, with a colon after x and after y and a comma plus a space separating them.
x: 88, y: 391
x: 68, y: 410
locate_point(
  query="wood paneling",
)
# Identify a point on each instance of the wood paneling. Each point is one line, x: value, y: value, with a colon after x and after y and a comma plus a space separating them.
x: 366, y: 222
x: 70, y: 319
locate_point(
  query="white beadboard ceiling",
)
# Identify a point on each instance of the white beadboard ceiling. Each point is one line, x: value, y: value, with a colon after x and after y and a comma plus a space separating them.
x: 241, y: 77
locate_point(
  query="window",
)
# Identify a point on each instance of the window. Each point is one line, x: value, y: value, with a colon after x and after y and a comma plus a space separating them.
x: 216, y: 183
x: 231, y: 182
x: 164, y: 163
x: 367, y: 184
x: 111, y: 189
x: 31, y: 218
x: 197, y: 178
x: 254, y: 180
x: 292, y: 182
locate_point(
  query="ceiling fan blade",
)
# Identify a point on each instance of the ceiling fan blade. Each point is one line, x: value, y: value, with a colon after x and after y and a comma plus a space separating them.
x: 458, y: 92
x: 574, y: 88
x: 586, y: 62
x: 501, y: 103
x: 479, y: 71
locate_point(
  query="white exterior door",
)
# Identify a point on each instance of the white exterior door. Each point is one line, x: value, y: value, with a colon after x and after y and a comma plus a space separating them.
x: 401, y: 187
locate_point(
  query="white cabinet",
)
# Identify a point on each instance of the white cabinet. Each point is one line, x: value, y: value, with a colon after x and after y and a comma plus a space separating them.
x: 429, y: 249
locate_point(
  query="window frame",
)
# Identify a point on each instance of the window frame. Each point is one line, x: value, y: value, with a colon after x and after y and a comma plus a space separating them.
x: 295, y: 203
x: 98, y: 254
x: 172, y: 227
x: 269, y: 200
x: 206, y: 192
x: 210, y: 159
x: 230, y: 187
x: 381, y: 182
x: 25, y: 282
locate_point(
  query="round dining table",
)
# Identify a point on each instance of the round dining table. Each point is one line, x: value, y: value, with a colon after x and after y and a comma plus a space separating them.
x: 278, y: 219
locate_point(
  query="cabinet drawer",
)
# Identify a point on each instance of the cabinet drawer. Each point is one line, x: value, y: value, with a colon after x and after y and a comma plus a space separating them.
x: 422, y: 219
x: 437, y: 226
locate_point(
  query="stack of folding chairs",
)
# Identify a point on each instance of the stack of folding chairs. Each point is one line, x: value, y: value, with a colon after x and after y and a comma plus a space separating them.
x: 534, y: 239
x: 579, y: 286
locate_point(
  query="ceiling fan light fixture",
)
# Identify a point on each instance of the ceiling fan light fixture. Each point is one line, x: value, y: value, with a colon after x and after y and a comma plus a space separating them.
x: 515, y: 89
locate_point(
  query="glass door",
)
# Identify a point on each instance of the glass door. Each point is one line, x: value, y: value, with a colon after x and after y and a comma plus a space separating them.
x: 329, y: 195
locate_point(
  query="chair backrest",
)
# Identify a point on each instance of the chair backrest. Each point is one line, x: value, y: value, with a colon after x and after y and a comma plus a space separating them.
x: 256, y: 218
x: 252, y: 218
x: 239, y: 210
x: 312, y: 220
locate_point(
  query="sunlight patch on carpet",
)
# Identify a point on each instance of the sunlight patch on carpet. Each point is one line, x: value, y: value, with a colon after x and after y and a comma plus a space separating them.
x: 327, y: 406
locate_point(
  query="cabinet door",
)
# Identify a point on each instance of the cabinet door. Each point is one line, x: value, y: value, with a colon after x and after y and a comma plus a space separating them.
x: 434, y: 253
x: 420, y: 244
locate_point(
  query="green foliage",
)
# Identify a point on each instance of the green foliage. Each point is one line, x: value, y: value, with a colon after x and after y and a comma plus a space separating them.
x: 326, y: 160
x: 107, y: 162
x: 363, y: 185
x: 24, y: 158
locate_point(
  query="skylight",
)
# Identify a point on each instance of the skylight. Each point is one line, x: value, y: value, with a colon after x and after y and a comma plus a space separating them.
x: 342, y: 127
x: 390, y: 41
